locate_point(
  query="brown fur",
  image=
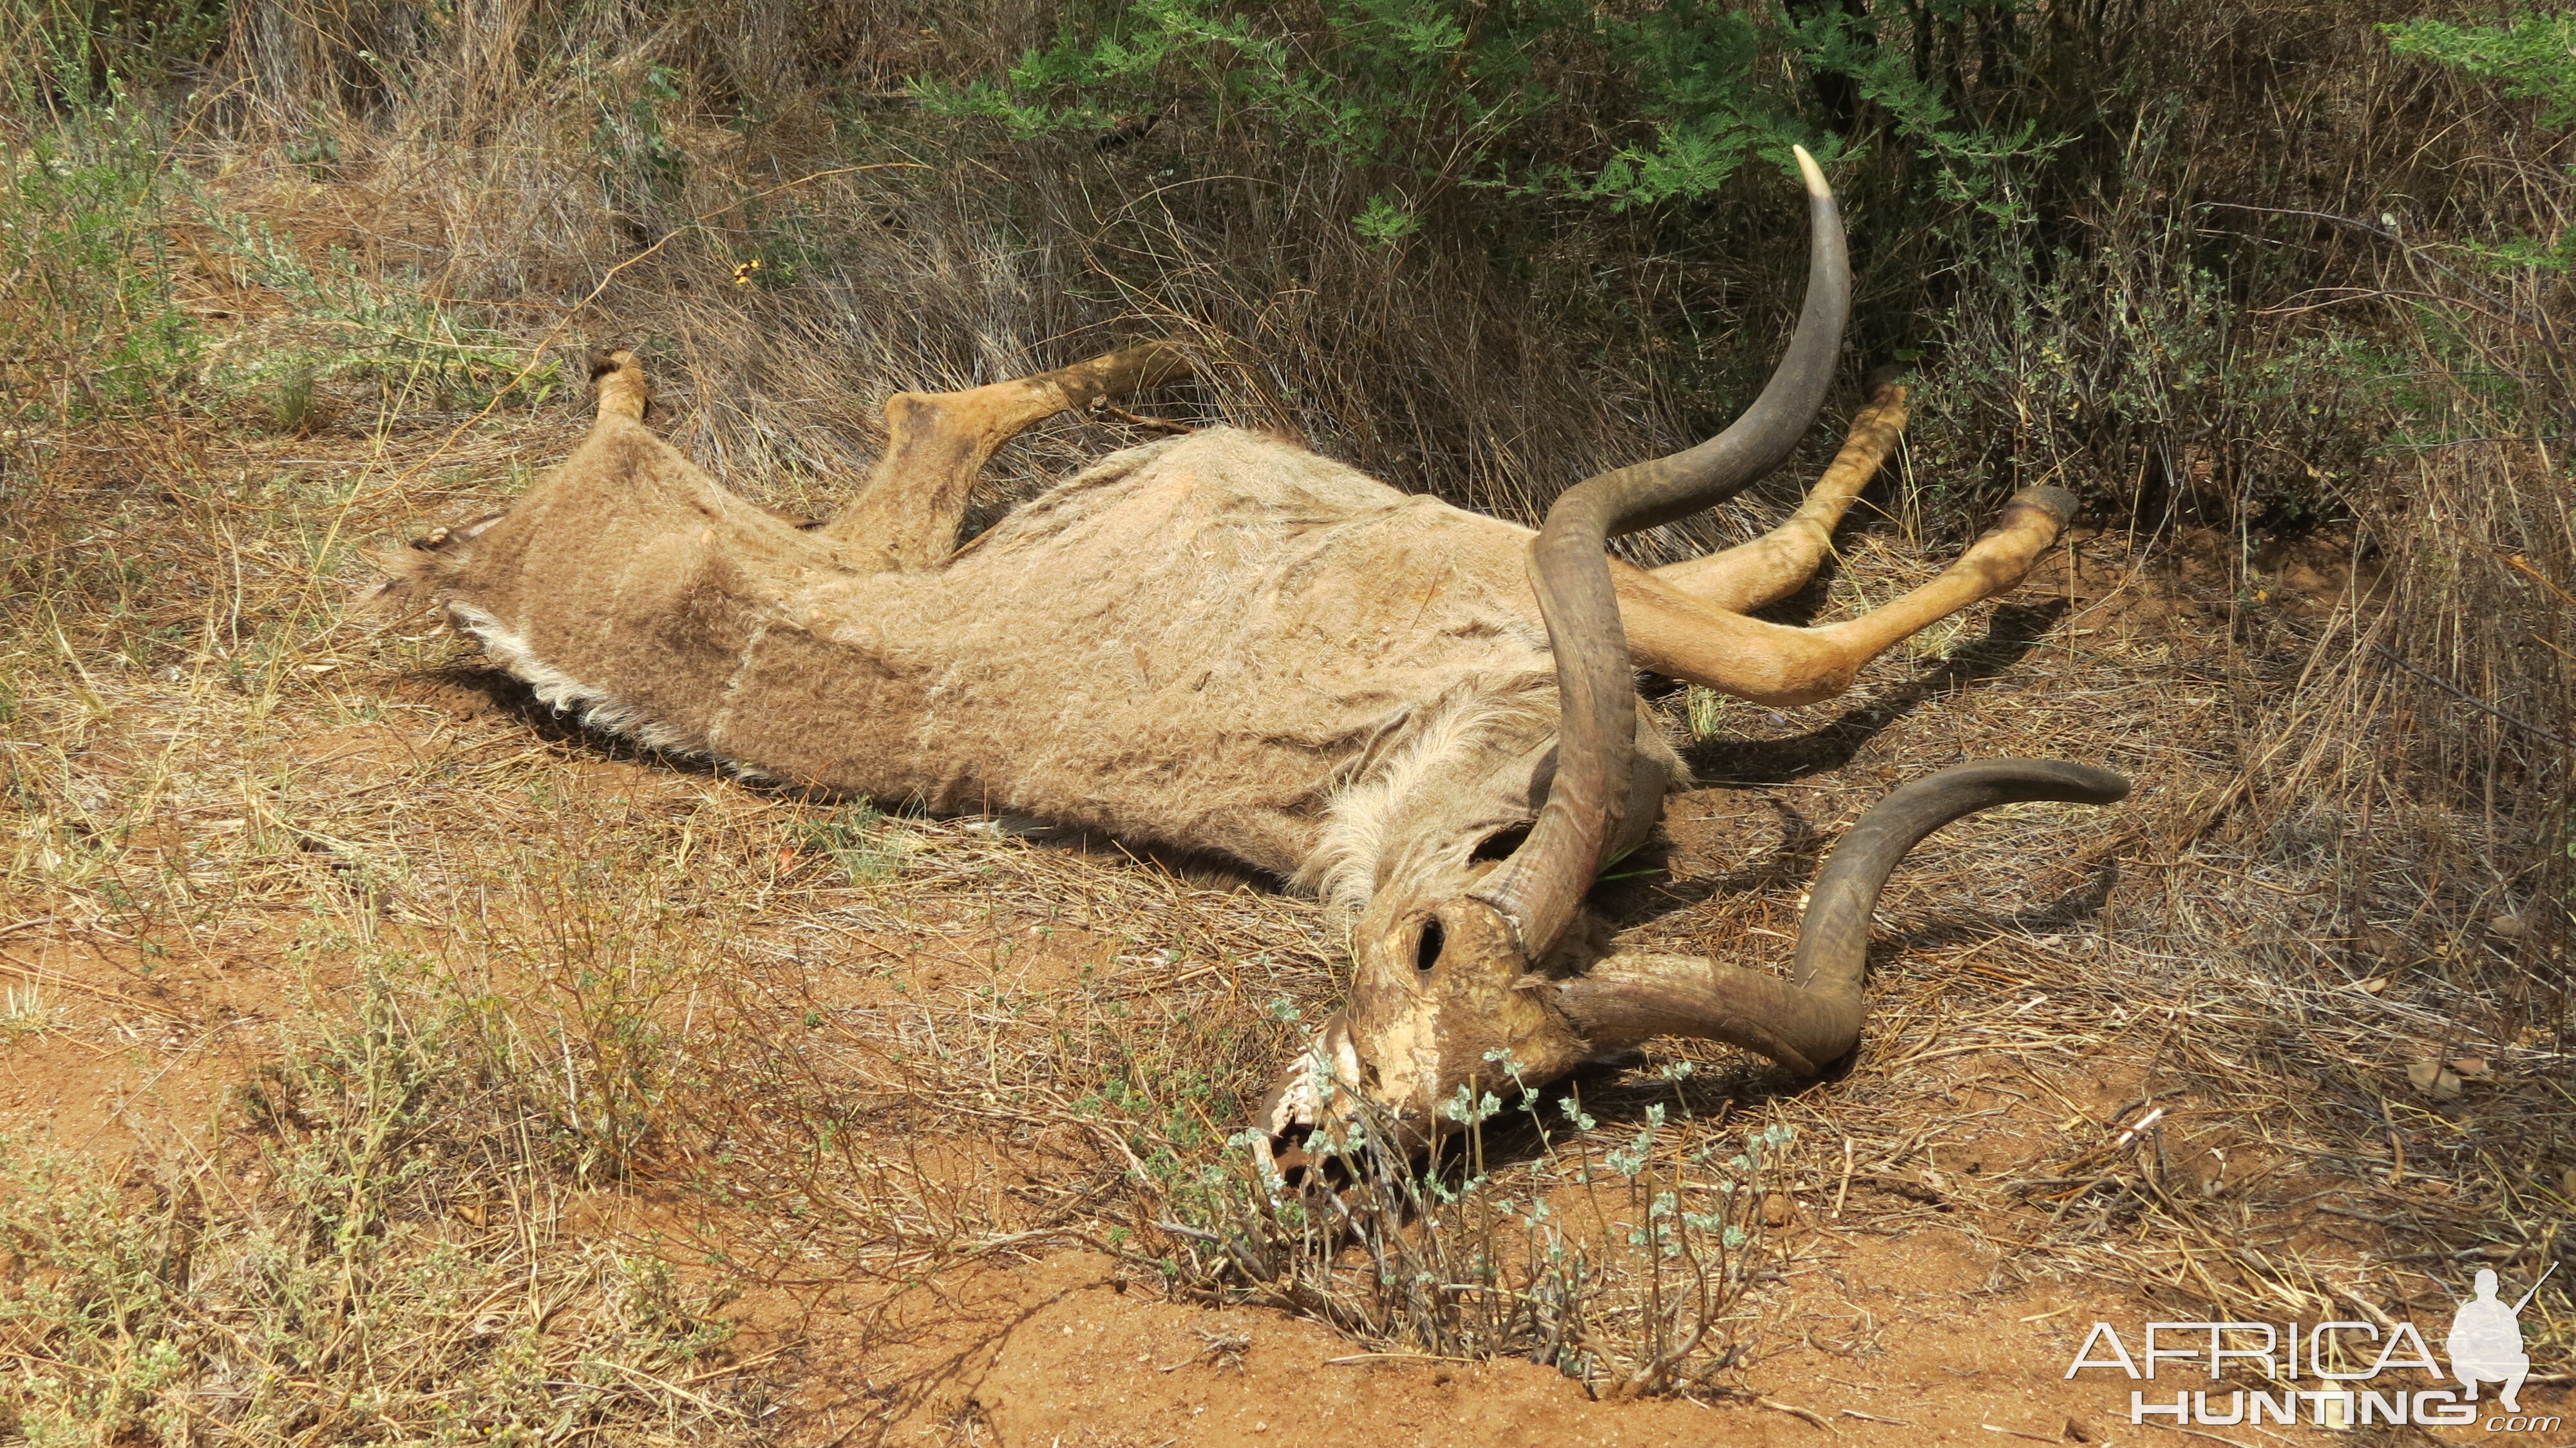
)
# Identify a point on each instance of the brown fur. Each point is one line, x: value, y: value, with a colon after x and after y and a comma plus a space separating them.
x: 1097, y: 661
x: 1218, y: 642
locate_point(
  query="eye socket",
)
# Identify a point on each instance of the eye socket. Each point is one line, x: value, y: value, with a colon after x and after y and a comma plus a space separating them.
x: 1500, y: 844
x: 1301, y: 1169
x: 1426, y: 949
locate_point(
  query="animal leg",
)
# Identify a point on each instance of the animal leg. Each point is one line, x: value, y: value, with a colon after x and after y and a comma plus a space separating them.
x: 937, y: 442
x: 1672, y: 633
x: 620, y: 380
x: 1779, y: 563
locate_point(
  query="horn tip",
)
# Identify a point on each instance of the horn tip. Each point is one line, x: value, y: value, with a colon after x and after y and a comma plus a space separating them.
x: 1814, y: 174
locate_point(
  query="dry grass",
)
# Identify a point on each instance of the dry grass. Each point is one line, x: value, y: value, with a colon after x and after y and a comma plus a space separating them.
x: 381, y: 1253
x: 841, y: 1053
x: 872, y: 1049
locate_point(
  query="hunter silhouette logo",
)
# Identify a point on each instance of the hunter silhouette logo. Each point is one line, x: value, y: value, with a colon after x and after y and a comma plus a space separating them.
x: 2486, y: 1341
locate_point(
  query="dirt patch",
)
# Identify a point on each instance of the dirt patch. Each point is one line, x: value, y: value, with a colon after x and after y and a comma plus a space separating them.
x: 106, y: 1048
x: 1092, y: 1364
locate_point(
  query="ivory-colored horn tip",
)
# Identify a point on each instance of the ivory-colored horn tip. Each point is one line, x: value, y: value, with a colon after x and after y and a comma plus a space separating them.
x: 1815, y: 174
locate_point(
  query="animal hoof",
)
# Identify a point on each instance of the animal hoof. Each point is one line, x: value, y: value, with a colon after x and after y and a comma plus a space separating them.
x: 2056, y: 502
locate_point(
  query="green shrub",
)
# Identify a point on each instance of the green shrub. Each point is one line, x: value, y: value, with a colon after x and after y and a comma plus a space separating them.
x: 89, y: 322
x: 1546, y: 98
x: 346, y: 325
x: 2535, y: 56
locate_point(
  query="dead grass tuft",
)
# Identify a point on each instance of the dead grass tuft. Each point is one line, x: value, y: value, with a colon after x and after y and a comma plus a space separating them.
x: 379, y: 1251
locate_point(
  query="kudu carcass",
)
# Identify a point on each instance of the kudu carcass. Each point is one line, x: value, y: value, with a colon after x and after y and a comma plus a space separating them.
x: 1226, y: 644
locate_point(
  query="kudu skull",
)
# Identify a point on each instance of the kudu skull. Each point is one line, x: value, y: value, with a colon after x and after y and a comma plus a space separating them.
x: 1225, y: 644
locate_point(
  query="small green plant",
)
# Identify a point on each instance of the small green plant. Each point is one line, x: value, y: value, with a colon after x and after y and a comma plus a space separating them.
x: 291, y: 408
x: 575, y: 1011
x: 317, y: 149
x: 863, y: 844
x: 641, y: 168
x: 1616, y: 1269
x: 1386, y: 220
